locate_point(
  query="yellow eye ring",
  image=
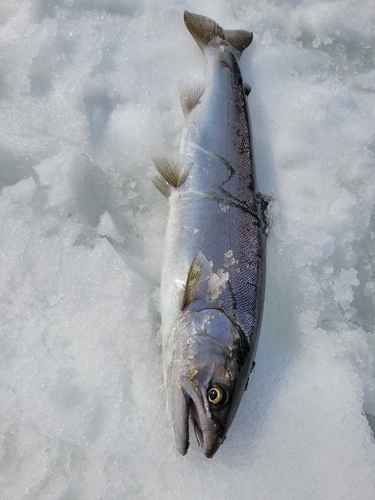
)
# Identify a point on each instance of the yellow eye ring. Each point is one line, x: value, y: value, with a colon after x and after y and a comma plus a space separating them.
x: 215, y: 395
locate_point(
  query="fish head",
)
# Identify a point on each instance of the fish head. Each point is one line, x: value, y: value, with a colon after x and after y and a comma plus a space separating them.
x: 208, y: 376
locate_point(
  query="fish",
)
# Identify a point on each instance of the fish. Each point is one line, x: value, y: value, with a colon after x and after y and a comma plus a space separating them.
x: 213, y: 268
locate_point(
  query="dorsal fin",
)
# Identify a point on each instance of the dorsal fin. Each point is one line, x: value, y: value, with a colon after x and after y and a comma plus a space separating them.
x: 203, y: 29
x: 173, y: 172
x: 190, y: 98
x: 200, y: 270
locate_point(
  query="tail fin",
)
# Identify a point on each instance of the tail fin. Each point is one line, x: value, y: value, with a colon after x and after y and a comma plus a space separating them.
x: 203, y: 29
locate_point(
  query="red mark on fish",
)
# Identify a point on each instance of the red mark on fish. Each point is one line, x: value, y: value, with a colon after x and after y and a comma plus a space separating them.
x: 224, y: 63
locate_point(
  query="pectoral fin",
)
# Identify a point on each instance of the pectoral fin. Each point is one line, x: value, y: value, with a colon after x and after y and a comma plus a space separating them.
x: 200, y: 270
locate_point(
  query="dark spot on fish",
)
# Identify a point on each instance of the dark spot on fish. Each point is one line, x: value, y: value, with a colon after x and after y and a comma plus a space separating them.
x: 233, y: 297
x: 247, y: 383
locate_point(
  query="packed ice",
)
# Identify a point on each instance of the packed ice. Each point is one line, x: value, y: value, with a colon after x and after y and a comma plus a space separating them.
x: 88, y: 91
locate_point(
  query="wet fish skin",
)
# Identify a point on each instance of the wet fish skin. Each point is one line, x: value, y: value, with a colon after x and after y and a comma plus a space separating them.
x: 213, y: 273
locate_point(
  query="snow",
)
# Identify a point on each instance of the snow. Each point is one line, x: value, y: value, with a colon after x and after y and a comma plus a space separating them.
x: 88, y: 90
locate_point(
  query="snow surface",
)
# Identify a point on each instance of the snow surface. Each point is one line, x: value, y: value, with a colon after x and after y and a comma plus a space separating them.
x: 88, y: 90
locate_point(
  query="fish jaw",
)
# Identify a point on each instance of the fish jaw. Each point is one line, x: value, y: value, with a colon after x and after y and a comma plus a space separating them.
x: 180, y: 417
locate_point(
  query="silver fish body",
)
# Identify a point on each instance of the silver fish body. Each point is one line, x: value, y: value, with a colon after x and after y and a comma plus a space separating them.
x: 213, y: 272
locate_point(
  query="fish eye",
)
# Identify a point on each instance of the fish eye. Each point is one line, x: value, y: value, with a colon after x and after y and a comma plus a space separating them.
x: 217, y: 395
